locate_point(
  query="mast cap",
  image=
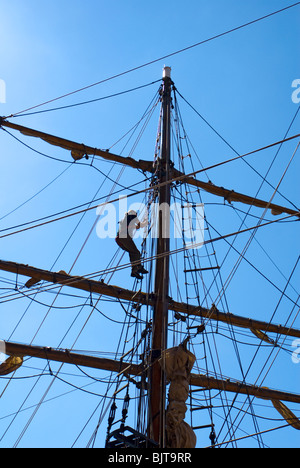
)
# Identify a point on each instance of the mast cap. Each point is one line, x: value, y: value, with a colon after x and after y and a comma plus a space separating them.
x: 167, y: 72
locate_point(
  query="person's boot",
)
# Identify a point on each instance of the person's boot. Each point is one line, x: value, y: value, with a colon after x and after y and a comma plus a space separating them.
x: 143, y: 271
x: 135, y: 274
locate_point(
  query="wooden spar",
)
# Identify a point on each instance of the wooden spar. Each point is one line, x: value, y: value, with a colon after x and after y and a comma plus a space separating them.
x: 239, y: 387
x: 232, y: 196
x: 78, y: 149
x: 157, y: 401
x: 196, y: 380
x: 68, y: 357
x: 97, y: 287
x: 81, y: 150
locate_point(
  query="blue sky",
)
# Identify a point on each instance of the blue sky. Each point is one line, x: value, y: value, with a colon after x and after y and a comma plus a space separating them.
x: 241, y: 83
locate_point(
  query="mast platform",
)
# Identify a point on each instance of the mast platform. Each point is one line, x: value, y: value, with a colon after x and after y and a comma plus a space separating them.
x: 133, y: 439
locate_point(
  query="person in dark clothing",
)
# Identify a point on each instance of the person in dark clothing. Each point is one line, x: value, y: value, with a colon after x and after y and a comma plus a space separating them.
x: 124, y: 239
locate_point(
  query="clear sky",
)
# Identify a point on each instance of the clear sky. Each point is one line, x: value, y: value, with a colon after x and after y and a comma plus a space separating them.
x: 241, y: 83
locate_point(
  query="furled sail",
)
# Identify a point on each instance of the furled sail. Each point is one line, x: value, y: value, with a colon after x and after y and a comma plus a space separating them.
x: 177, y: 363
x: 287, y: 414
x: 11, y: 365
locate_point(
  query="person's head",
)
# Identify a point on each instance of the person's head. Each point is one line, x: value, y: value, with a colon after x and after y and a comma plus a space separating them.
x: 132, y: 213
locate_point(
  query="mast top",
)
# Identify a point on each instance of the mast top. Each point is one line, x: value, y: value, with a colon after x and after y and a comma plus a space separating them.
x: 167, y: 72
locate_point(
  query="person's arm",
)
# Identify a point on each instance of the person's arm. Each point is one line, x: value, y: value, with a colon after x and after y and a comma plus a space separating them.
x: 142, y: 224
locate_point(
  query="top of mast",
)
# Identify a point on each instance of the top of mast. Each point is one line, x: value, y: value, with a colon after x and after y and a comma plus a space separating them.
x: 167, y: 72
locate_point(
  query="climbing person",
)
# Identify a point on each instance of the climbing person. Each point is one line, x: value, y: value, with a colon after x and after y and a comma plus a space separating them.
x: 124, y: 239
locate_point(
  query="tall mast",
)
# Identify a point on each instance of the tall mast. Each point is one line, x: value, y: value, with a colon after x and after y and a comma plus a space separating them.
x: 160, y: 313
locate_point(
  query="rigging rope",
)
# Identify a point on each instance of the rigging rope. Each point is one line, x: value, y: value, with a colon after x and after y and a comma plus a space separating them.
x: 93, y: 307
x: 73, y: 265
x: 239, y: 155
x: 273, y: 348
x: 249, y: 23
x: 87, y: 102
x: 238, y: 262
x: 233, y: 338
x: 176, y: 179
x: 182, y: 249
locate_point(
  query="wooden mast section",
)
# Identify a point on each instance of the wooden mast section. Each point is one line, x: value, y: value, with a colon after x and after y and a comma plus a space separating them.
x: 161, y: 307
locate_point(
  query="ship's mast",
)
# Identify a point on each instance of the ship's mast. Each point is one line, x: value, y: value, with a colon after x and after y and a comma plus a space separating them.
x: 160, y: 300
x: 160, y: 314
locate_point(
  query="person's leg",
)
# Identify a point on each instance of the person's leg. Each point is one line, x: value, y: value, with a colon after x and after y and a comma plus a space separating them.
x: 129, y: 246
x: 135, y: 258
x: 134, y: 255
